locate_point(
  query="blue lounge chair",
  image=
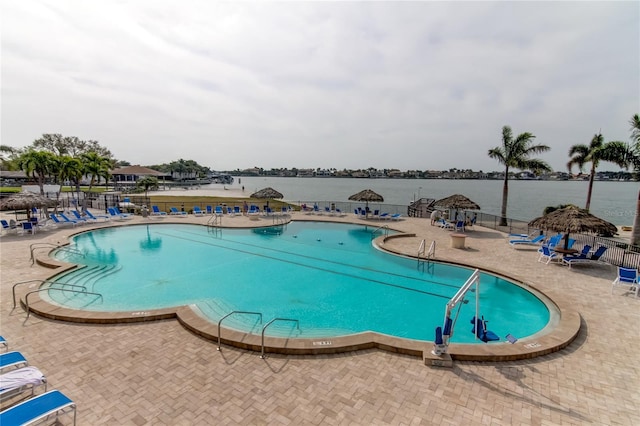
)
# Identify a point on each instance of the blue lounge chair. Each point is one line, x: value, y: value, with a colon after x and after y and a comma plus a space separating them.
x: 66, y: 219
x: 588, y: 260
x: 6, y: 227
x: 197, y: 211
x: 12, y: 359
x: 527, y: 241
x: 27, y: 227
x: 4, y: 343
x: 78, y: 216
x: 96, y: 217
x: 254, y: 210
x: 36, y: 409
x: 236, y: 210
x: 115, y: 213
x: 175, y: 212
x: 398, y: 216
x: 547, y: 254
x: 578, y: 257
x: 218, y: 210
x: 209, y: 210
x: 57, y: 221
x: 155, y: 211
x: 627, y: 277
x: 459, y: 226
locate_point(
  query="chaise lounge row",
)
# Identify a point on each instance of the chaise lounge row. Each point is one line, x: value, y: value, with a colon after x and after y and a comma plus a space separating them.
x: 18, y: 377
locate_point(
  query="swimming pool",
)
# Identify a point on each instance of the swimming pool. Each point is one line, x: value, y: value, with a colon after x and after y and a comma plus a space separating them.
x: 328, y: 276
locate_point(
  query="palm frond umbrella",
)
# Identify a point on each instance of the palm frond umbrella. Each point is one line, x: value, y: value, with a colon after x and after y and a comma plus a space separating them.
x: 457, y: 202
x: 367, y: 195
x: 574, y: 219
x: 267, y: 194
x: 25, y: 200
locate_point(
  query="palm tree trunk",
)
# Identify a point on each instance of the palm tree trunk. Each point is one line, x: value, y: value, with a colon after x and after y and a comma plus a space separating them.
x: 591, y: 177
x: 505, y: 196
x: 635, y: 234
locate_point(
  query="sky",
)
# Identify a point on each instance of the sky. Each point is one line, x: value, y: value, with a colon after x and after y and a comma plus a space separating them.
x: 235, y: 85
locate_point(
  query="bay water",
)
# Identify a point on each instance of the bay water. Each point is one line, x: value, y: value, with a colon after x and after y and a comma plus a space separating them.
x: 613, y: 201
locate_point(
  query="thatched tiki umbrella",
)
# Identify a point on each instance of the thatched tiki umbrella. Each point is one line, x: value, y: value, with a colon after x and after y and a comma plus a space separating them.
x: 366, y: 196
x: 267, y: 194
x: 457, y: 202
x: 25, y: 200
x: 574, y: 219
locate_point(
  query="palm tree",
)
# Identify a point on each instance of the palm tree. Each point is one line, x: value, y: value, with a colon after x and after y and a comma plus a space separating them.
x: 596, y: 151
x: 147, y: 182
x: 71, y: 169
x: 516, y: 153
x: 37, y: 164
x: 96, y: 166
x: 635, y: 137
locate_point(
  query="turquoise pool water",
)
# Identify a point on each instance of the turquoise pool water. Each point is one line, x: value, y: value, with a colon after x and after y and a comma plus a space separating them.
x: 327, y: 276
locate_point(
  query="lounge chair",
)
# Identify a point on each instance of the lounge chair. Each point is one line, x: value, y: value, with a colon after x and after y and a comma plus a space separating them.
x: 113, y: 213
x: 15, y: 382
x: 197, y: 211
x: 155, y: 211
x: 218, y: 210
x: 547, y: 254
x: 459, y: 226
x: 4, y: 343
x: 253, y: 210
x: 173, y: 211
x: 627, y: 277
x: 398, y: 216
x: 27, y: 227
x: 384, y: 216
x: 527, y: 241
x: 6, y: 227
x: 444, y: 224
x: 39, y: 408
x: 66, y: 219
x: 77, y: 216
x: 209, y: 210
x: 98, y: 216
x: 57, y: 221
x: 236, y: 210
x: 587, y: 259
x: 12, y: 359
x: 577, y: 257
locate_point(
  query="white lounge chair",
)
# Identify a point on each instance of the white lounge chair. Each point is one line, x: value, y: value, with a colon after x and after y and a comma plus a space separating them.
x: 527, y: 241
x: 18, y: 381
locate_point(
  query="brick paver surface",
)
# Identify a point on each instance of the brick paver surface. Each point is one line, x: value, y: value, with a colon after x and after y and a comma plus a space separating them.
x: 159, y: 373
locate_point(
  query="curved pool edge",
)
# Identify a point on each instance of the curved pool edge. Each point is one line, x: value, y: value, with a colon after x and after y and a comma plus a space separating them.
x: 555, y: 339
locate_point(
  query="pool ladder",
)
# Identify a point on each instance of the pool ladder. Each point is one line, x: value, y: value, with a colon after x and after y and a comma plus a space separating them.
x: 424, y: 255
x: 262, y: 355
x: 383, y: 228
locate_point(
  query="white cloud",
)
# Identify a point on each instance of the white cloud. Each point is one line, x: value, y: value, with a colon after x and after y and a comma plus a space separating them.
x: 300, y: 84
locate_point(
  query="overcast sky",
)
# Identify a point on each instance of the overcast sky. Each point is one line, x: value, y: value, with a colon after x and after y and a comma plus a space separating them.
x: 411, y: 85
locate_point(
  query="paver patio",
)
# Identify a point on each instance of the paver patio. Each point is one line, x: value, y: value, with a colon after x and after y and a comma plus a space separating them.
x: 160, y: 373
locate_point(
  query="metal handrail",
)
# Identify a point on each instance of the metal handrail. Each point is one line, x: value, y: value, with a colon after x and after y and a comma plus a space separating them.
x: 215, y: 220
x: 271, y: 322
x: 235, y: 312
x: 35, y: 246
x: 385, y: 227
x: 26, y: 297
x: 431, y: 253
x: 13, y: 289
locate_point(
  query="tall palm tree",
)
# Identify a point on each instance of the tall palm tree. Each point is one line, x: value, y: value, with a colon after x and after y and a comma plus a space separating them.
x: 596, y: 151
x: 37, y: 164
x: 96, y: 167
x: 635, y: 138
x: 71, y: 169
x: 516, y: 153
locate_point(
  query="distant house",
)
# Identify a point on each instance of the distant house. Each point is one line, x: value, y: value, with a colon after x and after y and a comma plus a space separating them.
x: 129, y: 175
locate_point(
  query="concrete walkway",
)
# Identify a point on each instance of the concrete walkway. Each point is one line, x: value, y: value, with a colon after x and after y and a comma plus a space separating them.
x: 160, y: 373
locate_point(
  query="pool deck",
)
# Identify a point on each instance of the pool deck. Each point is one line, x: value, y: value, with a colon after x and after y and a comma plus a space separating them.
x: 159, y: 372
